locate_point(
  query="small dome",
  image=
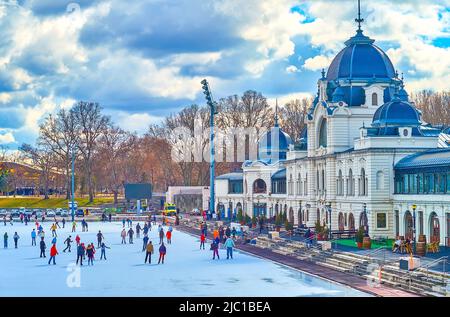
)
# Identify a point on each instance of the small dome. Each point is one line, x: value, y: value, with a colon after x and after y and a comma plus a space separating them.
x: 278, y: 149
x: 360, y: 59
x: 338, y: 94
x: 396, y: 113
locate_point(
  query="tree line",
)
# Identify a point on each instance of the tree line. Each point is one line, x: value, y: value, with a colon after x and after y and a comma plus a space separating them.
x: 106, y: 156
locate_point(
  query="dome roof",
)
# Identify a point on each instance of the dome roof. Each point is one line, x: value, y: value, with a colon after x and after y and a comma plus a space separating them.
x: 281, y: 141
x: 360, y: 59
x: 396, y: 113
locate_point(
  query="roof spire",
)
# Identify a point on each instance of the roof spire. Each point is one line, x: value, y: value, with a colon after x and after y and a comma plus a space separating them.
x: 323, y: 73
x: 359, y: 20
x: 276, y: 112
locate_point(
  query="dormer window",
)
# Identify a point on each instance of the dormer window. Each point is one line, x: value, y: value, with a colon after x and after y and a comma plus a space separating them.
x: 374, y: 99
x: 323, y: 133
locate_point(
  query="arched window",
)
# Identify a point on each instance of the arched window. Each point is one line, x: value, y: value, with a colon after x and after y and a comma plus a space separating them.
x: 323, y: 133
x: 380, y: 180
x: 363, y: 183
x: 259, y: 186
x: 340, y: 184
x: 374, y: 99
x: 350, y: 183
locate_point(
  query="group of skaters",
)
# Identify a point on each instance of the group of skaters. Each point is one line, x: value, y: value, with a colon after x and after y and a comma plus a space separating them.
x: 221, y: 235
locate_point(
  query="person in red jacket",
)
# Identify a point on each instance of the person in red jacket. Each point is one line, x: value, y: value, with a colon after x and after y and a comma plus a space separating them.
x: 169, y: 237
x: 77, y: 239
x: 202, y: 241
x: 53, y: 253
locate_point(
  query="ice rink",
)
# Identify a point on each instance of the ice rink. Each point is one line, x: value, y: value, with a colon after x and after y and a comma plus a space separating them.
x: 187, y: 271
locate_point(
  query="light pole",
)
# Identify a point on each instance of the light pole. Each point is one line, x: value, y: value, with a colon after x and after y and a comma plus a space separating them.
x: 329, y: 211
x: 366, y: 220
x: 73, y: 184
x: 414, y: 228
x: 213, y: 111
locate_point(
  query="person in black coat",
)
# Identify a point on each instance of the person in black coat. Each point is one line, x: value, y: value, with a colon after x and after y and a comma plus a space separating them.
x: 68, y: 242
x: 42, y: 247
x: 80, y: 254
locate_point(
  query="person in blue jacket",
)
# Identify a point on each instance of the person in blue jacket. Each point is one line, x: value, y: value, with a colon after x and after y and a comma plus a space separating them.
x: 145, y: 242
x: 162, y: 253
x: 16, y: 239
x: 54, y: 240
x: 103, y: 248
x: 229, y: 244
x: 123, y: 222
x: 33, y: 237
x: 5, y: 240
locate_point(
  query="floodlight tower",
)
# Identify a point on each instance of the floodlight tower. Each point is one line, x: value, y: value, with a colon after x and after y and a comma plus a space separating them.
x: 213, y: 110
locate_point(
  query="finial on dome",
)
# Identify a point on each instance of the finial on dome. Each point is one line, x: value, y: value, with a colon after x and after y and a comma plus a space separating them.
x: 359, y: 20
x: 323, y: 73
x: 276, y: 112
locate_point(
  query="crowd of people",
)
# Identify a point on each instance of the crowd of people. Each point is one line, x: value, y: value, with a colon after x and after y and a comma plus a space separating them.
x: 221, y: 236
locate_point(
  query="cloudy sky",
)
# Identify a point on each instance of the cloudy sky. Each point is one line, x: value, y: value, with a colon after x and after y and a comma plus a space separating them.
x: 144, y: 59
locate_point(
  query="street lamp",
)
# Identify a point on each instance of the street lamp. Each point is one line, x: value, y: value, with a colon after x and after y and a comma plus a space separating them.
x: 212, y: 105
x: 328, y: 207
x: 73, y: 184
x: 414, y: 228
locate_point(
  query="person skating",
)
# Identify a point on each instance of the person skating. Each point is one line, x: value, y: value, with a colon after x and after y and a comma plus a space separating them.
x: 215, y: 234
x: 77, y: 240
x: 53, y: 228
x: 229, y: 244
x: 33, y: 237
x: 161, y: 236
x: 86, y: 225
x: 99, y: 239
x: 130, y: 235
x: 53, y: 253
x: 138, y: 231
x: 123, y: 234
x: 123, y: 223
x: 5, y: 240
x: 80, y: 254
x: 144, y: 241
x: 68, y: 242
x: 42, y: 247
x: 215, y: 249
x: 109, y: 217
x: 41, y: 233
x: 54, y: 240
x: 11, y: 220
x: 202, y: 241
x: 145, y: 229
x: 64, y: 223
x: 103, y: 248
x: 222, y: 234
x: 4, y: 220
x: 74, y: 226
x: 90, y: 253
x: 169, y: 237
x: 162, y: 253
x: 16, y: 239
x: 148, y: 254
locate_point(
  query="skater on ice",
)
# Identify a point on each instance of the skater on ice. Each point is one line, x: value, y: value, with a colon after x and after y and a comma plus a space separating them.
x: 68, y: 242
x: 130, y: 235
x: 42, y: 247
x: 33, y: 237
x: 162, y: 253
x: 148, y: 254
x: 103, y: 248
x: 123, y: 234
x: 100, y: 238
x: 16, y: 239
x: 144, y: 241
x: 53, y: 253
x: 5, y: 240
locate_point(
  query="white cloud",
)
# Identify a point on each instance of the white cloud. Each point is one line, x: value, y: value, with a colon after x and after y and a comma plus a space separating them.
x: 317, y: 62
x: 292, y: 69
x: 6, y: 138
x: 136, y: 122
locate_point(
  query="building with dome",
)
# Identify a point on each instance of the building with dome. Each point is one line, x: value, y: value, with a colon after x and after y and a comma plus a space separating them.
x: 366, y: 158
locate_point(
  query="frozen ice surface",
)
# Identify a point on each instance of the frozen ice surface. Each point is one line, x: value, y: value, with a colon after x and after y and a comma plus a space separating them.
x: 187, y: 271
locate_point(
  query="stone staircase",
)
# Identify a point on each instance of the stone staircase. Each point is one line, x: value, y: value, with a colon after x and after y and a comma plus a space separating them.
x: 422, y: 282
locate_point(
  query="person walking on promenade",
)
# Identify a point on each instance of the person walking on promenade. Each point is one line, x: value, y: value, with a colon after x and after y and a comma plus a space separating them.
x: 103, y: 250
x: 33, y: 237
x: 53, y: 253
x: 202, y: 241
x: 42, y: 247
x: 149, y: 252
x: 162, y: 253
x: 229, y: 244
x: 68, y: 242
x: 123, y: 234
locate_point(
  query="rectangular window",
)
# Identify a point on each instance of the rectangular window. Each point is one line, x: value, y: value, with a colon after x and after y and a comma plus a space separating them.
x: 405, y: 189
x: 448, y: 182
x: 442, y: 183
x: 420, y: 183
x: 381, y: 220
x: 413, y: 183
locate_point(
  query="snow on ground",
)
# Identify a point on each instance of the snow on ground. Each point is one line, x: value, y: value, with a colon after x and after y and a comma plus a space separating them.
x: 187, y: 271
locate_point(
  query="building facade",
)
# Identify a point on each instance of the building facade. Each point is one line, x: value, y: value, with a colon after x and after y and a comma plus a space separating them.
x: 366, y: 158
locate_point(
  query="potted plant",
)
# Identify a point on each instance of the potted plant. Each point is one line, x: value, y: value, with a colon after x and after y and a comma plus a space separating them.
x: 318, y: 230
x: 240, y: 217
x: 359, y: 237
x: 254, y: 222
x: 278, y: 222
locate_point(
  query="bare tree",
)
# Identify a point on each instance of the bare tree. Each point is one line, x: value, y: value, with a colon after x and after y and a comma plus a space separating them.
x: 293, y: 116
x: 91, y: 124
x: 435, y: 106
x: 59, y: 134
x: 42, y: 159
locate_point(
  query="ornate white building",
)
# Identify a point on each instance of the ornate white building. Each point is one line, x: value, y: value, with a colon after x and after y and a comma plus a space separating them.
x: 366, y: 157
